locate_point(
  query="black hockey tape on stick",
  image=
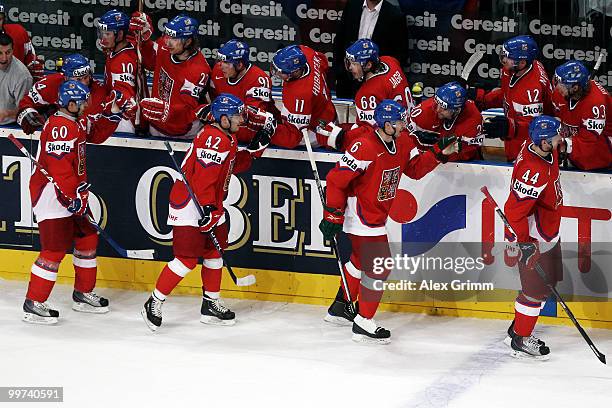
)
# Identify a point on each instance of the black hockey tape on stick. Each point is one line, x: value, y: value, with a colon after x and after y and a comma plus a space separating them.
x: 244, y: 281
x: 125, y: 253
x: 334, y: 243
x: 600, y: 356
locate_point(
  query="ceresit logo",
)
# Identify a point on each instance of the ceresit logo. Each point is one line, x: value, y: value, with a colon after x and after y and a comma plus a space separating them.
x: 534, y: 109
x: 59, y: 148
x: 210, y: 157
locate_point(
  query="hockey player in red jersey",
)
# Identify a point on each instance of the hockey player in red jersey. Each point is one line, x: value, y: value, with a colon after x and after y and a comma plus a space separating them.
x: 448, y: 113
x: 533, y: 209
x: 306, y: 98
x: 121, y: 61
x: 525, y: 91
x: 41, y: 100
x: 234, y: 74
x: 584, y: 108
x: 61, y: 215
x: 23, y: 49
x: 360, y: 191
x: 181, y: 76
x: 381, y: 78
x: 208, y: 166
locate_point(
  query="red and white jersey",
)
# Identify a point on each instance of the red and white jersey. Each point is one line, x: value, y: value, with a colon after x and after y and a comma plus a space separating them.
x: 523, y: 98
x: 23, y: 49
x: 533, y: 207
x: 467, y: 125
x: 365, y: 180
x: 253, y: 88
x: 61, y: 151
x: 588, y: 124
x: 306, y: 101
x: 179, y: 83
x: 44, y: 94
x: 389, y: 82
x: 208, y: 167
x: 120, y: 71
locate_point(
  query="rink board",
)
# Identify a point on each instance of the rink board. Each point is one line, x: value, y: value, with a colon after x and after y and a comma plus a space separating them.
x: 275, y: 210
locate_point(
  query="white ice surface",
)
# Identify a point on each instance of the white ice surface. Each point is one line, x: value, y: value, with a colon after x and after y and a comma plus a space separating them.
x: 284, y: 355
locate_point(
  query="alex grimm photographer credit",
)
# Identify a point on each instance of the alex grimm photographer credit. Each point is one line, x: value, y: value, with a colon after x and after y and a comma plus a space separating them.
x: 306, y: 203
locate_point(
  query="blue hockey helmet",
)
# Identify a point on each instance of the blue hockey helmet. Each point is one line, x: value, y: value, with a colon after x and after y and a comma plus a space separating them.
x: 543, y: 128
x: 362, y: 51
x: 226, y: 104
x: 75, y: 66
x: 572, y: 73
x: 115, y: 21
x: 522, y: 47
x: 451, y: 96
x: 72, y: 91
x: 389, y: 110
x: 182, y: 26
x: 288, y: 60
x: 234, y: 51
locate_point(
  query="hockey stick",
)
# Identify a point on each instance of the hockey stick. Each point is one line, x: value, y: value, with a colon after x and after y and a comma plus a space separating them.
x: 470, y: 64
x: 125, y: 253
x: 142, y: 89
x: 542, y: 274
x: 315, y: 172
x: 244, y: 281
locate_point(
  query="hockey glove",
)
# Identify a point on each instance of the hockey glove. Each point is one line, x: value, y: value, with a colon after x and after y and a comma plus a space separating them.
x: 445, y: 147
x: 262, y: 138
x: 477, y: 95
x: 329, y: 134
x: 203, y: 113
x: 530, y: 254
x: 495, y: 127
x: 118, y: 107
x: 258, y: 119
x: 140, y: 23
x: 426, y: 138
x: 30, y: 120
x: 332, y: 221
x: 37, y: 69
x: 154, y: 109
x: 78, y: 205
x: 211, y: 217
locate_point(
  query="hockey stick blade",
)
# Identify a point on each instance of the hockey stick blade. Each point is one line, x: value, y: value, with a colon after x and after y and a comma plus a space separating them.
x: 246, y: 280
x: 470, y: 64
x: 600, y: 356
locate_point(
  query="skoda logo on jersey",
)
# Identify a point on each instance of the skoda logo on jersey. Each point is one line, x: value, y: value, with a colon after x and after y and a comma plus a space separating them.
x: 595, y: 125
x: 298, y: 119
x: 59, y: 149
x: 209, y: 157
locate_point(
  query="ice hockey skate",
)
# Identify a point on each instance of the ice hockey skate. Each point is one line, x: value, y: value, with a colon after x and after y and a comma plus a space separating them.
x: 214, y: 312
x: 529, y: 348
x: 340, y: 313
x: 39, y: 313
x: 366, y: 331
x: 151, y: 312
x: 89, y: 302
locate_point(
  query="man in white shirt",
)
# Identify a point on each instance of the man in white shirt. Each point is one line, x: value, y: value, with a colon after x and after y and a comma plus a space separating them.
x: 369, y: 17
x: 15, y: 81
x: 377, y: 20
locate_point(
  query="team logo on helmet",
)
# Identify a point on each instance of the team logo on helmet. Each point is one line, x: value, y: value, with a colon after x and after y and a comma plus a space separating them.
x: 524, y: 47
x: 457, y: 93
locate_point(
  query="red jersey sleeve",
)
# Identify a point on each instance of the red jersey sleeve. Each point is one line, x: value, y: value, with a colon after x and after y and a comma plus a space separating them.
x: 353, y: 163
x: 148, y: 52
x: 493, y: 99
x: 470, y: 132
x: 418, y: 164
x: 43, y: 93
